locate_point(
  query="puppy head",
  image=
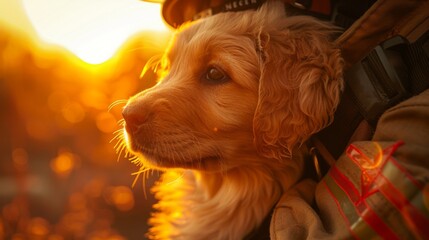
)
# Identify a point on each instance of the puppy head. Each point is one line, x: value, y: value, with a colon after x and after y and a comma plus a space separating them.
x: 200, y: 113
x: 237, y: 86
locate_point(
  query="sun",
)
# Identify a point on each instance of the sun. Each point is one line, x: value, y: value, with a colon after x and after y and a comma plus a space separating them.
x: 93, y: 30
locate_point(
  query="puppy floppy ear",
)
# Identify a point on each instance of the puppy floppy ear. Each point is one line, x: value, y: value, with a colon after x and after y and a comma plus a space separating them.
x: 300, y: 84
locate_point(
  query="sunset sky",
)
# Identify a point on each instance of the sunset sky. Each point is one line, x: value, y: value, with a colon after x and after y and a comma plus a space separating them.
x: 63, y: 63
x: 92, y: 30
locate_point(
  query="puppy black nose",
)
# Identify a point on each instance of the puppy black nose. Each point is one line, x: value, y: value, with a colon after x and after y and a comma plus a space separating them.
x: 134, y: 118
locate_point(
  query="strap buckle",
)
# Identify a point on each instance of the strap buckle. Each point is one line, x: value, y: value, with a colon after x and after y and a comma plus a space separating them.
x: 377, y: 81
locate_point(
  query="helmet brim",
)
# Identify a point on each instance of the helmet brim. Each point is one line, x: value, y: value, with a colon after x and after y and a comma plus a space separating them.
x: 177, y: 12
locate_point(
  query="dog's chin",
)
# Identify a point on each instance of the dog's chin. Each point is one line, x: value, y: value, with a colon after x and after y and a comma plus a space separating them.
x: 209, y: 163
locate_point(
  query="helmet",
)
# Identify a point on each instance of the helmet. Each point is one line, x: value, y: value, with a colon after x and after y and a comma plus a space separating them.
x: 176, y: 12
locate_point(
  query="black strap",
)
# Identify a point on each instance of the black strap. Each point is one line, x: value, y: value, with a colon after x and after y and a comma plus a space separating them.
x: 416, y: 56
x: 391, y: 73
x: 230, y: 6
x: 306, y: 7
x: 346, y: 12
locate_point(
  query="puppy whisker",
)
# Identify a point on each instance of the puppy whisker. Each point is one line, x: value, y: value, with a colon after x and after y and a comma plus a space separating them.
x: 116, y: 103
x: 157, y: 64
x: 142, y: 171
x: 120, y: 145
x: 134, y: 159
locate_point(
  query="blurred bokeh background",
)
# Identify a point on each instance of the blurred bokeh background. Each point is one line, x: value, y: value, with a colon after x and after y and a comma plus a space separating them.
x: 62, y: 64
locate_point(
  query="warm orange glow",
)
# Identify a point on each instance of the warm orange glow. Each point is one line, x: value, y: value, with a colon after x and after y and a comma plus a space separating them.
x: 95, y: 187
x: 57, y: 115
x: 94, y: 98
x: 378, y: 159
x: 38, y: 228
x: 64, y: 163
x: 369, y: 163
x: 20, y: 158
x: 106, y: 122
x: 2, y: 228
x: 73, y: 112
x: 371, y: 166
x: 121, y: 197
x: 93, y: 30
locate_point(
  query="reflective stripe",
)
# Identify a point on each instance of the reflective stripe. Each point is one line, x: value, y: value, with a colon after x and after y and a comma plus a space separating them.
x: 361, y: 206
x: 399, y: 179
x: 357, y: 228
x: 397, y: 186
x: 421, y: 202
x: 404, y: 201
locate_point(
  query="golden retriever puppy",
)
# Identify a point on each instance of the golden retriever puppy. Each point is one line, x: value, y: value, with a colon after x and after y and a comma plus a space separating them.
x: 228, y: 121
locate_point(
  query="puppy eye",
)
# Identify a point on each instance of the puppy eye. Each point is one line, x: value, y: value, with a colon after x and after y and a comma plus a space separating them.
x: 216, y: 75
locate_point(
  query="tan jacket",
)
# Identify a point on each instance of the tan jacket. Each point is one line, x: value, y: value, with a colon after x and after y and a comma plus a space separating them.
x: 377, y: 189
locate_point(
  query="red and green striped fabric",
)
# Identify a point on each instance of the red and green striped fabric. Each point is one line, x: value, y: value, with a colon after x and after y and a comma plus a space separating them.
x: 377, y: 197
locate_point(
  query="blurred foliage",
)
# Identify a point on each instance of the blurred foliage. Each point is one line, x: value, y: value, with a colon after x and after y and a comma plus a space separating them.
x: 60, y: 177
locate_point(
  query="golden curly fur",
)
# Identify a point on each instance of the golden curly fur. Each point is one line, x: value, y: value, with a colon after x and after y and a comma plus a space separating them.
x: 231, y: 141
